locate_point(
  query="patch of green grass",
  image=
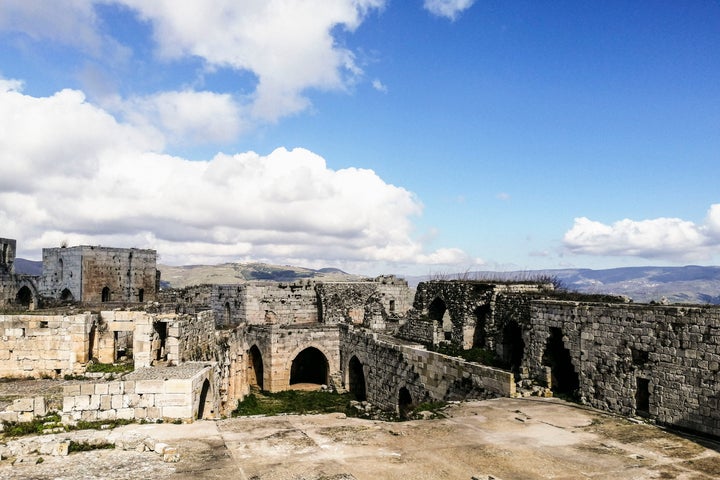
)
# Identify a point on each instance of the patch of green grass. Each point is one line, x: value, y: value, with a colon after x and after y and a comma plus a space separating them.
x: 83, y: 425
x: 87, y: 446
x: 292, y: 401
x: 477, y: 355
x: 34, y: 427
x: 109, y: 367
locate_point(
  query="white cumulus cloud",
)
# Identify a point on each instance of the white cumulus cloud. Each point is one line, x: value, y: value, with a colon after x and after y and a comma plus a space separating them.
x: 450, y: 9
x: 661, y: 238
x: 287, y: 44
x: 186, y: 116
x: 73, y: 172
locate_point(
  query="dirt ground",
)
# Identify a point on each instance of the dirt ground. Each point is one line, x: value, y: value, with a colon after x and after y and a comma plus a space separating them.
x: 502, y: 439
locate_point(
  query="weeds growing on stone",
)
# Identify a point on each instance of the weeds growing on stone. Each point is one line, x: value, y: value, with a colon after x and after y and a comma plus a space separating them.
x: 87, y: 446
x: 109, y: 367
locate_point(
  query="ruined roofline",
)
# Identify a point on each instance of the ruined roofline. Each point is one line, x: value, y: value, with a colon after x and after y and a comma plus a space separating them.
x: 102, y: 248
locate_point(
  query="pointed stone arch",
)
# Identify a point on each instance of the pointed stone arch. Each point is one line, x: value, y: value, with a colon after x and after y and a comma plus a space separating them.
x: 564, y: 377
x: 256, y: 370
x: 356, y: 379
x: 310, y: 366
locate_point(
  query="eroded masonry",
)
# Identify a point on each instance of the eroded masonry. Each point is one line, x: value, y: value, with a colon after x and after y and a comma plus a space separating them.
x: 199, y: 350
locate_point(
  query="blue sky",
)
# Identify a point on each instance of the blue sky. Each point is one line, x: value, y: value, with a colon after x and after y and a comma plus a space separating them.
x: 377, y: 136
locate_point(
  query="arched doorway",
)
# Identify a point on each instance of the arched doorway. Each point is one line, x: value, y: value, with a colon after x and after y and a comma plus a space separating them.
x: 203, y: 407
x: 227, y: 315
x: 564, y: 379
x: 141, y: 295
x: 356, y: 379
x: 105, y: 296
x: 513, y: 345
x: 405, y: 402
x: 24, y: 297
x: 255, y: 368
x: 310, y: 366
x: 481, y: 314
x: 67, y: 296
x: 438, y: 312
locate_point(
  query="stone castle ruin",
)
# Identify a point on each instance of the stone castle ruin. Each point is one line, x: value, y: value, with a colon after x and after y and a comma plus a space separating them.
x: 198, y: 351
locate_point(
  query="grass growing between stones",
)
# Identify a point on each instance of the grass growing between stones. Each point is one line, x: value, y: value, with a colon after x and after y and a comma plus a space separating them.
x: 34, y: 427
x: 477, y: 355
x: 292, y: 401
x: 93, y: 367
x: 88, y: 446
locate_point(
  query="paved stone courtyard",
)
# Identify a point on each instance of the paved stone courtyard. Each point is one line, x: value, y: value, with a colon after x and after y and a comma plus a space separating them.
x: 501, y: 439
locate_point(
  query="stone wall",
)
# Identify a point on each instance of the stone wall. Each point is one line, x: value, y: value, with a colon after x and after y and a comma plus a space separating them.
x: 347, y: 302
x: 662, y: 362
x: 44, y: 345
x: 388, y: 366
x: 169, y: 393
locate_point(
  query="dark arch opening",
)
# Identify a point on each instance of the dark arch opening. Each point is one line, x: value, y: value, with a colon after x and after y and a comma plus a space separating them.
x: 437, y: 311
x: 203, y: 399
x: 564, y: 379
x: 91, y: 342
x: 255, y: 368
x: 405, y: 402
x: 105, y: 296
x: 227, y: 315
x: 310, y: 366
x: 67, y: 296
x: 513, y: 345
x: 24, y: 297
x: 141, y: 295
x: 356, y: 379
x: 159, y: 341
x: 481, y: 314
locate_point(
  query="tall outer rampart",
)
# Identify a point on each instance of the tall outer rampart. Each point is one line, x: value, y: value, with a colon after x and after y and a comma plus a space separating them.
x: 389, y: 366
x: 623, y: 352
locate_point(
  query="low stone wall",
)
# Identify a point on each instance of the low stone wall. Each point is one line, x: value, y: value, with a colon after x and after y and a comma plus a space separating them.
x: 389, y: 366
x: 43, y: 345
x: 662, y: 362
x: 24, y: 410
x: 149, y: 394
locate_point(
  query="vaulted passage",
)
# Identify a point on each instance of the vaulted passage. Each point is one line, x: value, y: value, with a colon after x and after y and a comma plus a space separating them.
x: 310, y: 366
x: 255, y: 368
x: 357, y: 379
x: 513, y: 345
x: 24, y: 297
x: 405, y: 402
x: 481, y: 314
x: 67, y: 296
x: 438, y: 311
x: 105, y: 296
x: 557, y: 357
x: 204, y: 406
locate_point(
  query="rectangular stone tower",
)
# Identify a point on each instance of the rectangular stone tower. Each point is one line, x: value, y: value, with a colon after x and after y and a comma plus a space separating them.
x: 94, y: 274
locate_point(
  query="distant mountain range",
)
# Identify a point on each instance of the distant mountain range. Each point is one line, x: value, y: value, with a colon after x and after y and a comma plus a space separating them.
x: 689, y: 284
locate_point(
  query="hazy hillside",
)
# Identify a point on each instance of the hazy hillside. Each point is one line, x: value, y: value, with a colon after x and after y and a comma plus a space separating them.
x: 183, y: 276
x: 28, y: 267
x: 689, y: 284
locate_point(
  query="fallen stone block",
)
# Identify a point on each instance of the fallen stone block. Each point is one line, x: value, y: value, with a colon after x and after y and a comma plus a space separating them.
x: 171, y: 455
